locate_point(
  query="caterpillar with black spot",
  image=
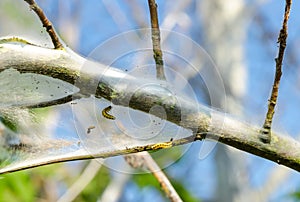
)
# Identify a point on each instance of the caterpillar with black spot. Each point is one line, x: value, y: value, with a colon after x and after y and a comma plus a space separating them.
x: 106, y: 114
x: 163, y: 145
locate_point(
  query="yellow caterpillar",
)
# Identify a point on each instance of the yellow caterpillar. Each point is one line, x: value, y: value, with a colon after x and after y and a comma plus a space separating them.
x: 163, y: 145
x: 106, y: 114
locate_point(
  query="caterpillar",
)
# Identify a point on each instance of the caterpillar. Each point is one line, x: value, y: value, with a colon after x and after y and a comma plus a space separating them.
x: 106, y: 114
x: 163, y: 145
x: 90, y: 129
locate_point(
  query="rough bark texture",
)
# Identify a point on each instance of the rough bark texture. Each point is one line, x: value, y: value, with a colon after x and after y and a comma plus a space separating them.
x: 204, y: 122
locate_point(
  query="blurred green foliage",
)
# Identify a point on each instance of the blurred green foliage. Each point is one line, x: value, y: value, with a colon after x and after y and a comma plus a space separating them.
x: 145, y: 180
x: 96, y: 187
x: 295, y: 195
x: 9, y: 123
x: 35, y: 184
x: 18, y: 186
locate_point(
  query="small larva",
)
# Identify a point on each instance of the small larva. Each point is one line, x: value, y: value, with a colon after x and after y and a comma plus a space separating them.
x: 90, y: 129
x: 163, y: 145
x: 106, y: 114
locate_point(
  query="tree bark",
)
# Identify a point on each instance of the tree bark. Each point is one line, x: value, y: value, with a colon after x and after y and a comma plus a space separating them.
x: 120, y: 88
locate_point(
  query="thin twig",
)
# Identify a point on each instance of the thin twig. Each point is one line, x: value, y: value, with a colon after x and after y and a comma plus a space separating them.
x: 46, y: 23
x: 266, y: 130
x: 144, y: 159
x: 157, y: 53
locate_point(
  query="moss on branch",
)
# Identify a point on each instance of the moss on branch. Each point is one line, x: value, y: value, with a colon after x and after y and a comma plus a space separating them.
x: 120, y: 88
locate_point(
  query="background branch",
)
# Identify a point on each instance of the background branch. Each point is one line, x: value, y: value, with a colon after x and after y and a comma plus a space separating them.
x: 144, y: 160
x: 83, y: 180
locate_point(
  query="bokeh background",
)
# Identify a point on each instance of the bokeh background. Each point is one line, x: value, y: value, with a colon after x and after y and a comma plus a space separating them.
x: 239, y: 36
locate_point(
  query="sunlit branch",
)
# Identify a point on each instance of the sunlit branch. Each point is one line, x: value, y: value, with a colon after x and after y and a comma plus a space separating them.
x: 46, y: 23
x: 157, y: 53
x: 266, y: 130
x: 120, y: 88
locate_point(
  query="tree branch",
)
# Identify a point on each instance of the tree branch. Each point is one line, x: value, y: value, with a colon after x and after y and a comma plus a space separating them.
x: 46, y: 23
x: 144, y: 160
x: 266, y: 130
x: 157, y: 53
x: 121, y: 89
